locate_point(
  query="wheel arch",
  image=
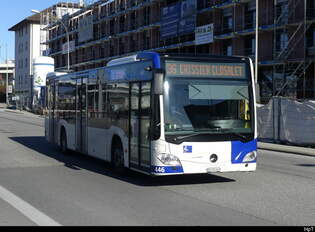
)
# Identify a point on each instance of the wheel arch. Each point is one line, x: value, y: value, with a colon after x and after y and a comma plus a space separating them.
x: 61, y: 130
x: 117, y: 138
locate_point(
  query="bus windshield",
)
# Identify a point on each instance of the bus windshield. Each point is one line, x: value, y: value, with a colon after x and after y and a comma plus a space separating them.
x: 206, y: 105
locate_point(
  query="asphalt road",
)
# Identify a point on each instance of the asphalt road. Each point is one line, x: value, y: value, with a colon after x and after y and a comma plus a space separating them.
x: 41, y: 186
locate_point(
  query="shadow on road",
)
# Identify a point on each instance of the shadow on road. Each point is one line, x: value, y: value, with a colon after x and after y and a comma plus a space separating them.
x: 306, y: 165
x: 78, y: 161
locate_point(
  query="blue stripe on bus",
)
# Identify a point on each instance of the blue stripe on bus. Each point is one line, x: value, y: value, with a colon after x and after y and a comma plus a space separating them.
x: 239, y: 150
x: 167, y: 169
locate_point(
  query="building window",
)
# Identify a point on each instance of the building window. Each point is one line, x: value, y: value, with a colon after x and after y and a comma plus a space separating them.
x: 227, y: 24
x: 282, y: 12
x: 282, y: 41
x: 227, y: 20
x: 227, y: 48
x: 250, y: 44
x: 250, y: 15
x: 311, y: 9
x: 310, y: 37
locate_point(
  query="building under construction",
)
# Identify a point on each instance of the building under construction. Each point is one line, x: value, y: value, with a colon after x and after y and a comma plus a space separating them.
x: 108, y: 29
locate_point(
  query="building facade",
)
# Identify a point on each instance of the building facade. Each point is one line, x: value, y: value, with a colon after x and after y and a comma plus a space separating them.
x: 109, y: 29
x: 27, y: 47
x: 7, y: 87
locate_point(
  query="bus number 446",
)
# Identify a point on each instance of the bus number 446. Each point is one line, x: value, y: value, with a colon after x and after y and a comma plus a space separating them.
x: 159, y: 169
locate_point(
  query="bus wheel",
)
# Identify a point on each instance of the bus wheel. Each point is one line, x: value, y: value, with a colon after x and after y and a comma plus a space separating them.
x: 118, y: 158
x: 63, y: 142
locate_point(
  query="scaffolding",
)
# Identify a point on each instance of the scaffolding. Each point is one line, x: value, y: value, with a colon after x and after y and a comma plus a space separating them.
x: 292, y: 73
x: 51, y: 17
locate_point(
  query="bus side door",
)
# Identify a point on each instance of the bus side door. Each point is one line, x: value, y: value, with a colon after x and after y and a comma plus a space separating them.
x: 140, y: 156
x: 81, y: 117
x: 52, y: 111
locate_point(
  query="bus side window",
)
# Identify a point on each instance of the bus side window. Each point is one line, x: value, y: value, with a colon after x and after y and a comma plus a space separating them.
x: 91, y: 100
x: 100, y: 99
x: 119, y: 100
x: 105, y: 99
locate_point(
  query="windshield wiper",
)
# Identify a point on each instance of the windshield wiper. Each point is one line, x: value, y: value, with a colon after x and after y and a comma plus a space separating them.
x: 242, y: 137
x: 201, y: 130
x: 199, y: 91
x: 188, y: 136
x: 217, y: 129
x: 239, y: 135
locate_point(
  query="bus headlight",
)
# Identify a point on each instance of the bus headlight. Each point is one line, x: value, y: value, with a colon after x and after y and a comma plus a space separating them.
x: 169, y: 159
x: 249, y: 157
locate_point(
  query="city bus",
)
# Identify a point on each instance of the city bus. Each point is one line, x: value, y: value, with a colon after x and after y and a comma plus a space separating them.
x: 159, y: 114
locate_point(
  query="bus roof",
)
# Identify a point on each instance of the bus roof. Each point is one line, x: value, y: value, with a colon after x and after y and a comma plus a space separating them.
x: 154, y: 56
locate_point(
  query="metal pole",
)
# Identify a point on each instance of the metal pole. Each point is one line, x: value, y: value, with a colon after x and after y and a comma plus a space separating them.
x: 68, y: 45
x: 7, y: 75
x: 256, y: 44
x: 304, y: 64
x: 256, y: 54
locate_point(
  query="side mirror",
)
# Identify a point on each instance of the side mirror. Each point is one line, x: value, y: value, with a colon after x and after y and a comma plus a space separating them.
x: 158, y: 81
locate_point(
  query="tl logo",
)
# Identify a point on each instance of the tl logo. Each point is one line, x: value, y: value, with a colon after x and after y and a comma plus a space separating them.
x: 187, y: 149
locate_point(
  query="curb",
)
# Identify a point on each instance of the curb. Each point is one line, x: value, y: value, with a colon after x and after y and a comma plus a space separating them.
x: 23, y: 112
x: 286, y: 148
x: 13, y: 111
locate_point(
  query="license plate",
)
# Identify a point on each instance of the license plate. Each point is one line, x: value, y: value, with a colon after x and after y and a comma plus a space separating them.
x: 213, y: 169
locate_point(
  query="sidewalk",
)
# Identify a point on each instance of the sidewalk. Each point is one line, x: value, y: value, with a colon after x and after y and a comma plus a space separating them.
x: 287, y: 148
x: 3, y: 107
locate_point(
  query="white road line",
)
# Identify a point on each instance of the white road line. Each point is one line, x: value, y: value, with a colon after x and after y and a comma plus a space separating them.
x: 26, y: 209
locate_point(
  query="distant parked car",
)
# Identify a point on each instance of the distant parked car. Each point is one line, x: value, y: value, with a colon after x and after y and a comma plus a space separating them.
x: 12, y: 107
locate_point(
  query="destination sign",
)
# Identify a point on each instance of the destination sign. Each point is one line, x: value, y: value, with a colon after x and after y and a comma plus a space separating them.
x: 228, y: 70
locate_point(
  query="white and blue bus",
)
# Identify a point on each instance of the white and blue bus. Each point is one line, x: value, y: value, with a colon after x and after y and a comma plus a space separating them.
x: 159, y: 114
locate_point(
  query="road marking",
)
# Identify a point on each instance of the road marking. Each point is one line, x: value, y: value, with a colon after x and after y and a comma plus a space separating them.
x: 26, y: 209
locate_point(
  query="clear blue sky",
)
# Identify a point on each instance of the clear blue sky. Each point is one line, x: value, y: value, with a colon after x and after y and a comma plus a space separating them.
x: 14, y: 11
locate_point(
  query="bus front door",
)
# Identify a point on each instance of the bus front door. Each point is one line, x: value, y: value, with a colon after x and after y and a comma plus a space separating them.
x: 139, y: 126
x: 81, y: 118
x: 52, y: 112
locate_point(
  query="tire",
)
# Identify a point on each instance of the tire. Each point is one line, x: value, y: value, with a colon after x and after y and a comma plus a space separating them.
x: 118, y: 159
x: 63, y: 142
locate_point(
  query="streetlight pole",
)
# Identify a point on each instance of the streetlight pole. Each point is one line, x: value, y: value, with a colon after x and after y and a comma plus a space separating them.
x: 256, y: 52
x: 68, y: 45
x: 7, y: 74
